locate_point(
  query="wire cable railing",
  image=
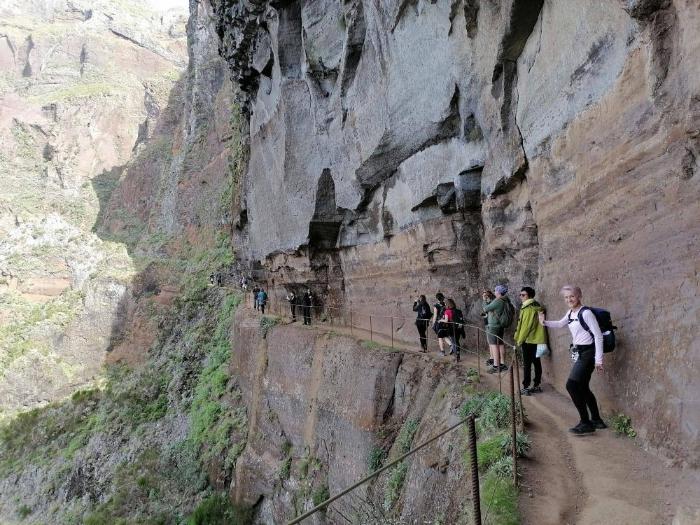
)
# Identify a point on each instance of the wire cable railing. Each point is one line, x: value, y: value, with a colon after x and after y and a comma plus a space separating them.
x: 348, y: 318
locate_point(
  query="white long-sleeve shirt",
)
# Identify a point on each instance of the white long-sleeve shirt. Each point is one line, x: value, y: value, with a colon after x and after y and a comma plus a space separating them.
x: 579, y: 335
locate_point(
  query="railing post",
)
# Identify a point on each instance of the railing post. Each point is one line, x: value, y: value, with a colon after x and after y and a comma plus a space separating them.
x: 371, y: 335
x: 392, y: 332
x: 512, y: 425
x: 517, y: 382
x: 351, y: 333
x: 476, y: 501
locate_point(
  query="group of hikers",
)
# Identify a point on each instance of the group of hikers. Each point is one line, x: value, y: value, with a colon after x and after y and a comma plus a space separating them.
x: 498, y: 312
x: 591, y: 331
x: 260, y: 301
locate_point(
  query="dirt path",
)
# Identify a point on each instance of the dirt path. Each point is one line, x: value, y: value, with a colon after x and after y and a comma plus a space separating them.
x: 597, y: 479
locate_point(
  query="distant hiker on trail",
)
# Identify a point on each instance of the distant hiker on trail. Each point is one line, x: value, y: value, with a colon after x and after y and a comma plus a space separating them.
x: 423, y: 315
x: 587, y: 354
x: 500, y: 316
x: 528, y: 335
x: 308, y: 303
x: 219, y: 279
x: 438, y: 310
x: 457, y: 327
x: 445, y: 326
x: 212, y: 278
x: 292, y: 299
x: 262, y: 299
x: 256, y: 291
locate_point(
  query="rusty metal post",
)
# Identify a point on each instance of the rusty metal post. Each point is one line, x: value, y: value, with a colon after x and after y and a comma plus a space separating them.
x: 512, y: 426
x: 476, y: 499
x: 392, y: 331
x: 520, y: 395
x: 371, y: 334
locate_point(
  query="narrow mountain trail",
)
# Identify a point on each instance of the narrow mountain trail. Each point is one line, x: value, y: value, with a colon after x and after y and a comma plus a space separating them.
x: 596, y: 479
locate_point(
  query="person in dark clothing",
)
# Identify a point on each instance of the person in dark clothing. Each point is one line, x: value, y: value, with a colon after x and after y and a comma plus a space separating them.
x: 308, y: 303
x: 256, y: 290
x: 292, y: 299
x: 219, y: 279
x: 423, y: 315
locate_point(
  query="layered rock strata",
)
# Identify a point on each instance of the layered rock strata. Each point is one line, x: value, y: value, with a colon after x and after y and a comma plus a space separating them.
x: 410, y: 147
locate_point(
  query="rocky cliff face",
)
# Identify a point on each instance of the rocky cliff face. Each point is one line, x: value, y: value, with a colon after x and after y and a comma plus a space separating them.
x: 408, y: 147
x: 321, y: 406
x: 82, y: 88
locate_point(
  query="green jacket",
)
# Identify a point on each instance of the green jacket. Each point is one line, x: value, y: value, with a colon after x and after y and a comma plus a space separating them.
x: 529, y: 329
x: 494, y: 308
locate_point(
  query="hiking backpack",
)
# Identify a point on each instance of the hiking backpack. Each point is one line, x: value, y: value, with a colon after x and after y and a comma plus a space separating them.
x: 505, y: 319
x: 604, y: 322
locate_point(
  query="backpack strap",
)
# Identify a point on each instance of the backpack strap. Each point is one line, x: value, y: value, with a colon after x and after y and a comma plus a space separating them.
x: 583, y: 323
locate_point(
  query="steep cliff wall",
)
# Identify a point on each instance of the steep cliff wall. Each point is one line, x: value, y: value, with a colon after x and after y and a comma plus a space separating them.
x: 409, y: 147
x: 320, y: 405
x: 82, y: 87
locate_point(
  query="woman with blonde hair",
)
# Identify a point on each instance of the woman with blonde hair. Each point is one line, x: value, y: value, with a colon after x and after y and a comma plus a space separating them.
x: 587, y: 355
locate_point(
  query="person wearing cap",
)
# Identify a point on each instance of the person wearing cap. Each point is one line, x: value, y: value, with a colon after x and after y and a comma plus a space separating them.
x: 494, y: 330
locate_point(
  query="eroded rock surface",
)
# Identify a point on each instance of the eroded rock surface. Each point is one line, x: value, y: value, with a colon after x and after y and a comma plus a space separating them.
x: 82, y: 87
x: 469, y: 143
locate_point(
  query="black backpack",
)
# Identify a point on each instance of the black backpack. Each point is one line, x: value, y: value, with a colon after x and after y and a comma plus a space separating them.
x: 604, y: 322
x: 440, y: 312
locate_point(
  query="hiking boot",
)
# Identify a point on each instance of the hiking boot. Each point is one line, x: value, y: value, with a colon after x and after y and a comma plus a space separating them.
x: 536, y: 389
x: 489, y: 362
x: 525, y: 391
x: 504, y: 367
x: 582, y: 428
x: 598, y: 424
x: 492, y: 370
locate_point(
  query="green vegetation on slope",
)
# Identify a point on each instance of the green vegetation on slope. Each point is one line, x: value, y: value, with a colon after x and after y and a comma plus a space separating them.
x: 499, y: 496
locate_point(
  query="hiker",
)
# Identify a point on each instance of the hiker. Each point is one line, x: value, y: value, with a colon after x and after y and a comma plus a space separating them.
x: 308, y: 303
x: 445, y: 326
x: 423, y: 315
x: 219, y: 279
x: 256, y: 290
x: 587, y: 354
x: 457, y: 330
x: 528, y: 334
x: 496, y: 310
x: 211, y: 279
x: 292, y: 299
x: 438, y: 310
x: 262, y: 300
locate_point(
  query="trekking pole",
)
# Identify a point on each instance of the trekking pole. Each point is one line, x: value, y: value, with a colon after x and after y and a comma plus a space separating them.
x: 392, y: 332
x: 371, y: 335
x: 471, y: 429
x: 512, y: 426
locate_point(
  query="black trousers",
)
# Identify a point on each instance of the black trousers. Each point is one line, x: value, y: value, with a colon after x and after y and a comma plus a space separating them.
x: 262, y: 308
x: 530, y: 359
x: 422, y: 325
x: 307, y: 315
x: 578, y: 384
x: 293, y: 309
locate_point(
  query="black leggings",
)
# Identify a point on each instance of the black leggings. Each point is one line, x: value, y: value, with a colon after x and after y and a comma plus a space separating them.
x: 422, y: 325
x: 577, y: 385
